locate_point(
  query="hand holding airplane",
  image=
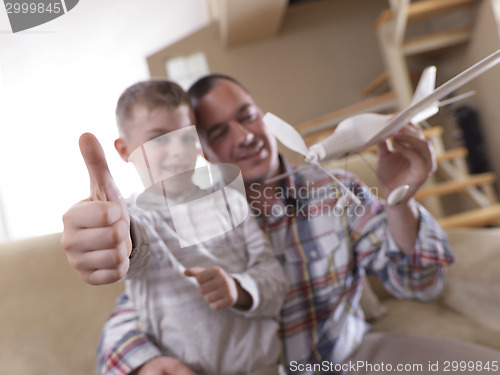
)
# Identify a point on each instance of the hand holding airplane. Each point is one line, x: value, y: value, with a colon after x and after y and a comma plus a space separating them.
x: 358, y: 132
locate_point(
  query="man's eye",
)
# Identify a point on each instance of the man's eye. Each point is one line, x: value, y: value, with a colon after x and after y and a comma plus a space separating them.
x: 247, y: 117
x: 219, y: 134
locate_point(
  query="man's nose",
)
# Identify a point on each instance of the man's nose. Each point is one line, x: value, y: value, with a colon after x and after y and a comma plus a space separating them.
x: 243, y: 136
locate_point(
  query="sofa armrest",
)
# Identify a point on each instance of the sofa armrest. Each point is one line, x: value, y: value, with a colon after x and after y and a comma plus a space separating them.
x: 50, y: 319
x: 472, y: 286
x: 473, y: 282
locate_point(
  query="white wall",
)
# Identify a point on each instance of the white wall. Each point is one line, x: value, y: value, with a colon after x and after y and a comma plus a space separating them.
x: 485, y: 40
x: 3, y: 226
x: 62, y: 79
x: 322, y: 57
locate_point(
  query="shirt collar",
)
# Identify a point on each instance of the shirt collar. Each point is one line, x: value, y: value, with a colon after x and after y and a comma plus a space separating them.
x: 283, y: 207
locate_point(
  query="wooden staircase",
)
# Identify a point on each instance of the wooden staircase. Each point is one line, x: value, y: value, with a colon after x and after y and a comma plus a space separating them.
x: 452, y: 176
x: 483, y: 210
x: 477, y: 190
x: 391, y: 27
x: 384, y: 103
x: 419, y: 10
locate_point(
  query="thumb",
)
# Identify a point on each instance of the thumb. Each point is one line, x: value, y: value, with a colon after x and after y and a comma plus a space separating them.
x: 94, y: 158
x: 383, y: 147
x: 102, y: 185
x: 193, y: 271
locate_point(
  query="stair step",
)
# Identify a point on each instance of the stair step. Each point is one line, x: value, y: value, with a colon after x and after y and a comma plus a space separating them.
x: 445, y: 156
x: 377, y: 81
x: 312, y: 134
x: 329, y: 121
x: 474, y: 218
x: 424, y: 9
x: 435, y: 131
x: 455, y: 153
x: 435, y: 41
x: 455, y: 186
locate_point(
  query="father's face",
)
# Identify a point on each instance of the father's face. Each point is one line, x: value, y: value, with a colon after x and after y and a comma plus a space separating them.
x: 232, y: 131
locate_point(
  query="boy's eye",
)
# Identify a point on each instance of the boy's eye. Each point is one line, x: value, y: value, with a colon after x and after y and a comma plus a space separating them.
x: 162, y: 139
x: 188, y: 139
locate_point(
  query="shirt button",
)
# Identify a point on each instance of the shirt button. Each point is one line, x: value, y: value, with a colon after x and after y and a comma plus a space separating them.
x: 314, y: 254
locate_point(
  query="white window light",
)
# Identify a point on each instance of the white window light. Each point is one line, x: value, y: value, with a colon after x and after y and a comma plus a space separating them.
x: 186, y: 69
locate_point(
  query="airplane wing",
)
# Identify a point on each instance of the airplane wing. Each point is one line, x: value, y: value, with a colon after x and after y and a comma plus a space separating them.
x: 364, y: 130
x: 405, y: 116
x: 425, y: 87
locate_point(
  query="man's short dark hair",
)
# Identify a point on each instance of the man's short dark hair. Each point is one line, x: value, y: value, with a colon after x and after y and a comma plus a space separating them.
x: 205, y: 84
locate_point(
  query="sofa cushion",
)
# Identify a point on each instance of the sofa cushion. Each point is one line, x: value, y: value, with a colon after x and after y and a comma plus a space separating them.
x: 473, y: 282
x: 50, y: 319
x: 469, y: 307
x: 433, y: 320
x: 370, y: 303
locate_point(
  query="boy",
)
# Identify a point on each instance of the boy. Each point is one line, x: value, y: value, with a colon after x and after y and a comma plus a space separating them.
x: 222, y: 323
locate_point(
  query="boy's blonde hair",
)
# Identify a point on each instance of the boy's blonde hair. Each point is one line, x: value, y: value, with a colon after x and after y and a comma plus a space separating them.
x: 152, y: 94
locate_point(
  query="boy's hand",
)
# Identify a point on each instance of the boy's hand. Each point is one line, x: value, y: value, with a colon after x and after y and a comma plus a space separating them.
x: 219, y: 289
x: 163, y: 366
x: 96, y: 234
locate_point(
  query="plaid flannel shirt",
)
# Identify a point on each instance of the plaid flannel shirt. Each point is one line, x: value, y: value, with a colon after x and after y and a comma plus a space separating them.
x: 325, y: 251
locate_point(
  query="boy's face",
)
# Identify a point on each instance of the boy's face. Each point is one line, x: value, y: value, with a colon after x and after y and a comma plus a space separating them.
x: 168, y: 142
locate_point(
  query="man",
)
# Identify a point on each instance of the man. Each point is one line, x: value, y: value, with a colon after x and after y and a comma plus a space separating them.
x: 324, y: 255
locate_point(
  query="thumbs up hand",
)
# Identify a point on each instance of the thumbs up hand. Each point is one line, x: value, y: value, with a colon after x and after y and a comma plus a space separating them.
x: 96, y: 234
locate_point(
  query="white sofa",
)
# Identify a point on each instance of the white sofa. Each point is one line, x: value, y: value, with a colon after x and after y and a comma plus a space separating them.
x: 50, y: 319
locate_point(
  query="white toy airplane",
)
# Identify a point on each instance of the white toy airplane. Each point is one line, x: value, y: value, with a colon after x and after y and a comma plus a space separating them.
x: 358, y: 132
